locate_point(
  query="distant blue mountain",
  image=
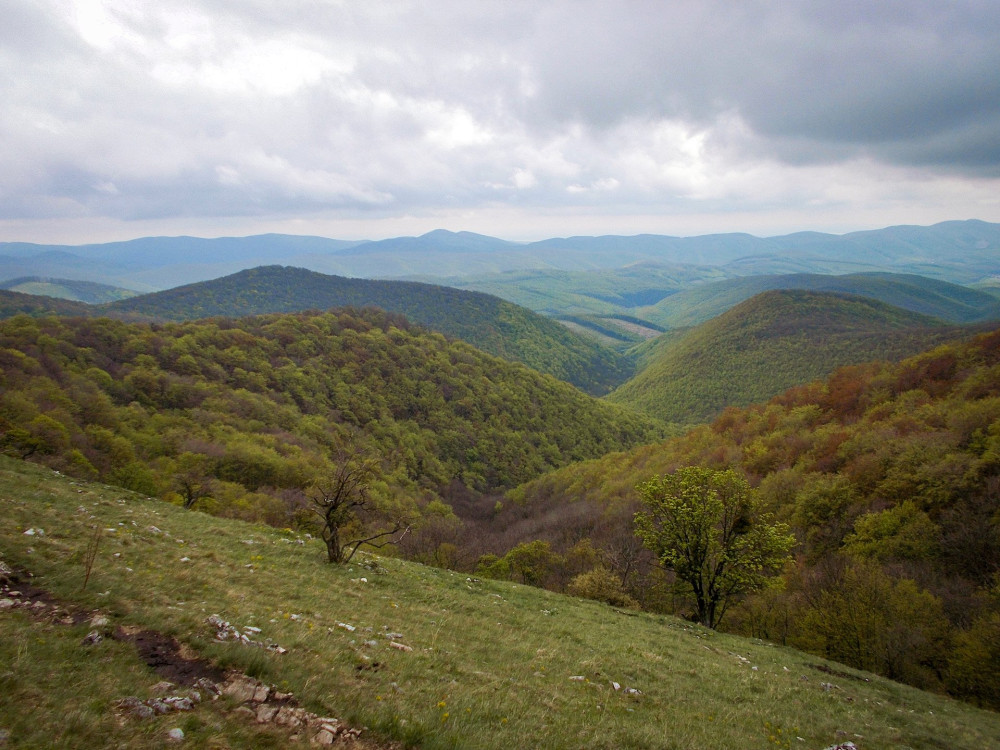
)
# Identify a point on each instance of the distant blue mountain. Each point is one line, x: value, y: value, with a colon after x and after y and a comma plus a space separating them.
x: 961, y: 252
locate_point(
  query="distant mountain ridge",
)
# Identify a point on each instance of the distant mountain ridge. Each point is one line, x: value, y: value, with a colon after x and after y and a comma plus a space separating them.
x: 958, y: 251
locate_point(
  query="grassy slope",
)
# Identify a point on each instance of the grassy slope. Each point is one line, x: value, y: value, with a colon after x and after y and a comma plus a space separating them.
x: 488, y: 323
x: 490, y: 666
x: 768, y: 344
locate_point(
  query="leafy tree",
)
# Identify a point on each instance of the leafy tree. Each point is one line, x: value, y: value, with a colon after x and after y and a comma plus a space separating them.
x: 708, y: 527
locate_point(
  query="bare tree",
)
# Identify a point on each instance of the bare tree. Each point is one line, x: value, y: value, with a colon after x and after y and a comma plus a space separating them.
x: 342, y: 499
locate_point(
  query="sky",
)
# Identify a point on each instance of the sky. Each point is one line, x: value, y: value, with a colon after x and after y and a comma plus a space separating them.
x: 522, y: 119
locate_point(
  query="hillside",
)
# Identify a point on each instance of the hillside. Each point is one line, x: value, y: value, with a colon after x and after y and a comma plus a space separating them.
x: 252, y: 411
x: 888, y: 475
x: 767, y: 344
x: 488, y: 323
x: 410, y: 656
x: 939, y: 299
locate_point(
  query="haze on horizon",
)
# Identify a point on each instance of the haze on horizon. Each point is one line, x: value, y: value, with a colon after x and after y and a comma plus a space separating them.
x: 125, y: 118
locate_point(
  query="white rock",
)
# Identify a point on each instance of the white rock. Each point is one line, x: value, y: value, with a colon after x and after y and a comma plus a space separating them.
x: 176, y: 734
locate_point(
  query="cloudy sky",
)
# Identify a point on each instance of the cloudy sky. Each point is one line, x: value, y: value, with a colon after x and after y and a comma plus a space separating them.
x: 522, y: 119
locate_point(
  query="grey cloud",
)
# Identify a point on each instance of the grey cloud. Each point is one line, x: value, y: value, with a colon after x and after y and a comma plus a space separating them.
x: 874, y: 79
x: 464, y: 104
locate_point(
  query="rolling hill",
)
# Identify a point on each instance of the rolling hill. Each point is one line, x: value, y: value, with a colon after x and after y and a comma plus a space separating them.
x: 769, y: 343
x: 488, y: 323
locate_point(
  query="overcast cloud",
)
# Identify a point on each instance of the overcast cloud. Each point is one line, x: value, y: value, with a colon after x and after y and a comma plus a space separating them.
x: 521, y: 119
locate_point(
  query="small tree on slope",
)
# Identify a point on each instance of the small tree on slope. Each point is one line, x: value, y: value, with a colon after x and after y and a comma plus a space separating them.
x: 709, y: 528
x: 348, y: 513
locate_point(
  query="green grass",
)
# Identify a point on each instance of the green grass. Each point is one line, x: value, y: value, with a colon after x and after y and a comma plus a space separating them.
x: 491, y: 664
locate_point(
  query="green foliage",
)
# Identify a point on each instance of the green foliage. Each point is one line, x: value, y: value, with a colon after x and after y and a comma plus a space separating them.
x: 974, y: 667
x: 709, y: 528
x: 903, y: 532
x: 867, y: 619
x: 601, y: 585
x: 240, y: 417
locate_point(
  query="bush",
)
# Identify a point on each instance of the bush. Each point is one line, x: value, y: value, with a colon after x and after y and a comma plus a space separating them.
x: 601, y: 585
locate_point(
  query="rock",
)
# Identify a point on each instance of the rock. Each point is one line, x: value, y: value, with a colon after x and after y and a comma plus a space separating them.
x: 177, y: 703
x: 93, y: 637
x: 400, y: 646
x: 290, y: 717
x: 158, y: 705
x: 203, y: 683
x: 241, y: 689
x: 176, y: 734
x: 324, y: 738
x: 266, y: 713
x: 7, y: 603
x: 99, y: 621
x: 135, y: 707
x: 162, y: 687
x: 261, y: 693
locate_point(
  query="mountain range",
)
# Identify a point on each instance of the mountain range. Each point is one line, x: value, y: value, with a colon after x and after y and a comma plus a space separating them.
x: 962, y: 252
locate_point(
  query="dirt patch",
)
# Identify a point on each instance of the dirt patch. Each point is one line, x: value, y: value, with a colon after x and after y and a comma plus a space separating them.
x: 165, y: 655
x: 18, y: 592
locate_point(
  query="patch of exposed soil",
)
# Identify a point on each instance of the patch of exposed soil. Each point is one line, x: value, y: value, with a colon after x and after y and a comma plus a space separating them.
x: 164, y: 654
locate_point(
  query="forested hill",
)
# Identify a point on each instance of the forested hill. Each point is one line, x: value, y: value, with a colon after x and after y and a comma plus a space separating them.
x: 940, y: 299
x: 488, y: 323
x: 769, y: 343
x: 256, y: 408
x: 889, y: 475
x: 20, y: 303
